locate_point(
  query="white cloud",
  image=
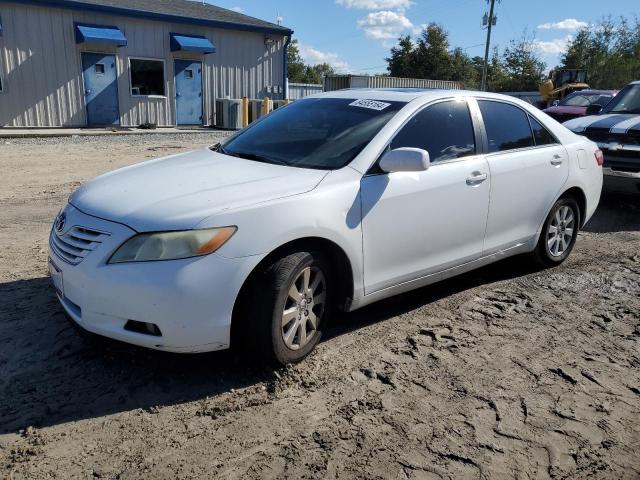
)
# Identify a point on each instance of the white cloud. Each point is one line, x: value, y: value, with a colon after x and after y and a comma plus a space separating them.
x: 375, y: 4
x: 313, y: 56
x: 566, y: 24
x: 552, y: 47
x: 384, y: 25
x: 237, y: 9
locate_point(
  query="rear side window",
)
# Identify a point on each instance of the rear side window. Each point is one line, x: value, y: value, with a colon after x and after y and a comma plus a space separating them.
x: 507, y: 126
x: 444, y: 130
x: 541, y: 134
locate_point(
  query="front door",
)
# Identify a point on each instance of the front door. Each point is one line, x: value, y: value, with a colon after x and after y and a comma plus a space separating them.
x: 418, y: 223
x: 100, y: 89
x: 188, y: 92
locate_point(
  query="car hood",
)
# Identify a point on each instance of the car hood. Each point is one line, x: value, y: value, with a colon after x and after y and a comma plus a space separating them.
x: 606, y: 123
x: 178, y: 192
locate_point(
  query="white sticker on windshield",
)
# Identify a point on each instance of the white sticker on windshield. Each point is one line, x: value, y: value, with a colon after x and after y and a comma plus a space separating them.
x: 372, y: 104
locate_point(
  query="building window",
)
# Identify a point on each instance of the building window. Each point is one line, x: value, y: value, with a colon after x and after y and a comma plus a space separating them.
x: 147, y: 77
x: 99, y: 68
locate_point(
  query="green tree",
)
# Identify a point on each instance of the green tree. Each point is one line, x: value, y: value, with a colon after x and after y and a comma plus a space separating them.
x: 429, y: 57
x: 316, y: 73
x: 299, y: 72
x: 401, y: 62
x: 609, y: 51
x: 463, y: 69
x: 432, y: 57
x: 523, y: 69
x: 296, y: 66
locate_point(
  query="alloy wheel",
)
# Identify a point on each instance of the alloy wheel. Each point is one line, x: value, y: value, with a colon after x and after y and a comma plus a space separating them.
x: 561, y: 231
x: 303, y: 308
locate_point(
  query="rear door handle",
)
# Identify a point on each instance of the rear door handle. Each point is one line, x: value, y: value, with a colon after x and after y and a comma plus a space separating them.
x: 476, y: 178
x: 557, y: 160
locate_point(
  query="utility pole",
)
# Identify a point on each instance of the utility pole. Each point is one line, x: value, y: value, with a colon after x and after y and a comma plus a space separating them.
x: 490, y: 22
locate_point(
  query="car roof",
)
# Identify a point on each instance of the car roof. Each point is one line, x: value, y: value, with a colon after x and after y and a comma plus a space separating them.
x: 406, y: 94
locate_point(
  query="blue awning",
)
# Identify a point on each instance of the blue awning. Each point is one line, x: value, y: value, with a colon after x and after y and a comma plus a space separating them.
x: 191, y: 43
x: 100, y: 34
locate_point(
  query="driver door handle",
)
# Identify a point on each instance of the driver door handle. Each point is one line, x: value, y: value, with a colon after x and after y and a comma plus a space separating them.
x: 476, y: 178
x: 556, y: 160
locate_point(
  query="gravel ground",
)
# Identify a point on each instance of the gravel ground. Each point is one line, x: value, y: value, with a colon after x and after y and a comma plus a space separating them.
x: 507, y: 372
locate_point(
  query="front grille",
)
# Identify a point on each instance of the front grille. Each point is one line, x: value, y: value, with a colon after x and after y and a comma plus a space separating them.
x: 75, y: 244
x: 604, y: 136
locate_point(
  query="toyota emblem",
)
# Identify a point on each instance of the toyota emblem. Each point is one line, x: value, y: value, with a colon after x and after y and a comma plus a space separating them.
x: 60, y: 221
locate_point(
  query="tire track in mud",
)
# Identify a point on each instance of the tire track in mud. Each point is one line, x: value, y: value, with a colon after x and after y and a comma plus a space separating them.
x: 503, y: 372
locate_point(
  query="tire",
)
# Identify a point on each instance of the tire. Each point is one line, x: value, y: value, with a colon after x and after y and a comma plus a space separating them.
x: 284, y: 325
x: 559, y: 233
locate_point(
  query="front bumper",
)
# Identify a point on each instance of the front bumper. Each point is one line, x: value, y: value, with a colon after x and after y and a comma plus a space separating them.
x: 621, y: 160
x: 191, y: 301
x: 620, y: 173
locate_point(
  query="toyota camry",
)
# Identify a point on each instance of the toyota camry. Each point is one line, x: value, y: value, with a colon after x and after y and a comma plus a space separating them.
x: 332, y: 202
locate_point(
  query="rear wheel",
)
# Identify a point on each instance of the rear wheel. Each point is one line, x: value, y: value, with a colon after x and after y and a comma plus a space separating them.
x: 559, y: 232
x: 290, y: 304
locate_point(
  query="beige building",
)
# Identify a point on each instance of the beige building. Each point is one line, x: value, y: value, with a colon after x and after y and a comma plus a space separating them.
x: 129, y: 62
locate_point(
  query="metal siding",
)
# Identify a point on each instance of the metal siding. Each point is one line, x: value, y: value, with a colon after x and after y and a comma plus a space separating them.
x: 340, y: 82
x: 301, y: 90
x: 42, y: 76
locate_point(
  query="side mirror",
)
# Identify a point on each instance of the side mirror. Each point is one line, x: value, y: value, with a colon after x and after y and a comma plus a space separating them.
x: 555, y: 103
x: 405, y: 160
x: 594, y: 109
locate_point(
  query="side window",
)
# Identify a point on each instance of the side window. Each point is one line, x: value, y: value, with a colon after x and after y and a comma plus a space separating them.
x: 507, y: 126
x: 444, y: 130
x: 541, y: 134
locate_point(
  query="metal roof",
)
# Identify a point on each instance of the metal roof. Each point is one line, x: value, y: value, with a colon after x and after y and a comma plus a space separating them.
x: 185, y: 11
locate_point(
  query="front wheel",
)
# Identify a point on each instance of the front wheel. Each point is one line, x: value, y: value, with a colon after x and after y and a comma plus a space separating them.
x: 559, y: 233
x: 291, y: 302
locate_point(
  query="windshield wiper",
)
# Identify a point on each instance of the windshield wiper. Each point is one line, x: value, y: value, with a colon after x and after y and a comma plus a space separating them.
x: 217, y: 148
x: 254, y: 156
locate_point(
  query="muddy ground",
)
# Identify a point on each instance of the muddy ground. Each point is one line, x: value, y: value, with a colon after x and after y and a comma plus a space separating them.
x: 507, y: 372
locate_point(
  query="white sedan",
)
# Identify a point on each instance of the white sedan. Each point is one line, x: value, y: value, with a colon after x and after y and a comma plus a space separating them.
x: 334, y: 201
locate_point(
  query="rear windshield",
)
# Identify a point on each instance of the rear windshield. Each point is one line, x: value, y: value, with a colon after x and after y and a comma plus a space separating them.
x: 320, y: 133
x: 584, y: 100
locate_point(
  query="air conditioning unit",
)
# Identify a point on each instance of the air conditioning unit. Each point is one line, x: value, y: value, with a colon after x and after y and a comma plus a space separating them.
x: 255, y: 110
x: 229, y: 113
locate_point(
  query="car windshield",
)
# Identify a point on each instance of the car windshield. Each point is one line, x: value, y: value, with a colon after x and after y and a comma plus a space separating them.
x: 320, y: 133
x: 584, y: 100
x: 627, y: 101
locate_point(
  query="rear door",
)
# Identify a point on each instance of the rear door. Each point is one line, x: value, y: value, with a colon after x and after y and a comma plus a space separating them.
x: 100, y: 89
x: 528, y: 169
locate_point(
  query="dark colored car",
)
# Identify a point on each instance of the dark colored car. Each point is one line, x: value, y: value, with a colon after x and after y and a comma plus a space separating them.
x: 616, y: 130
x: 575, y: 105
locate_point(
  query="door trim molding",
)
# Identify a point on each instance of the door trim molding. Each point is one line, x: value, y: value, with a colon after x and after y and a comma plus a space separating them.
x: 522, y: 247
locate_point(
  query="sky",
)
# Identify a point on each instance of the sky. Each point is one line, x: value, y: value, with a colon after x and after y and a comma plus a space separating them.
x: 355, y: 36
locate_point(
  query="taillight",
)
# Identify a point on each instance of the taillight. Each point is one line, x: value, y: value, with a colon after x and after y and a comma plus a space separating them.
x: 599, y: 157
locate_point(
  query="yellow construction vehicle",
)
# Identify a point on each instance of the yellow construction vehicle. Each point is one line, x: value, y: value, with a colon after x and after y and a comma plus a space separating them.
x: 561, y: 83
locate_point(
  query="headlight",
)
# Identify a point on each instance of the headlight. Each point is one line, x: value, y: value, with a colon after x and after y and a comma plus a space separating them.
x: 148, y: 247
